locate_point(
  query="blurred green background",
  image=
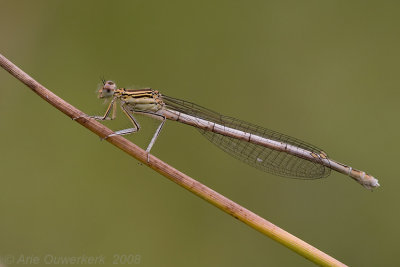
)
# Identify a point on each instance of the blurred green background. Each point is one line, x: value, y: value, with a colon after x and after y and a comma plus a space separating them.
x: 326, y: 72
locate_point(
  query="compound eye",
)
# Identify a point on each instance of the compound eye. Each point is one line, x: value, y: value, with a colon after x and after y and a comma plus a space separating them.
x: 109, y: 85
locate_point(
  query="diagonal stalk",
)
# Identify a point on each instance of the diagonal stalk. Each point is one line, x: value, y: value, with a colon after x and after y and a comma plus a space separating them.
x: 251, y: 219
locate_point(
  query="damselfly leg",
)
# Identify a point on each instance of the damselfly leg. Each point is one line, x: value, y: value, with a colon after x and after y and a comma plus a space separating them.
x: 132, y: 119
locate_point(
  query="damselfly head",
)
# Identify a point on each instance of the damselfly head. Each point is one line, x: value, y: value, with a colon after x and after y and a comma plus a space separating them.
x: 107, y: 90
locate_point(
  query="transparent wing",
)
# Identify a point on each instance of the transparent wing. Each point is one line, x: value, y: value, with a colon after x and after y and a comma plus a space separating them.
x: 260, y: 157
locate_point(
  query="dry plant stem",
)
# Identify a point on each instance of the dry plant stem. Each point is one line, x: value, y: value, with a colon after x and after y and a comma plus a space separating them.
x: 216, y: 199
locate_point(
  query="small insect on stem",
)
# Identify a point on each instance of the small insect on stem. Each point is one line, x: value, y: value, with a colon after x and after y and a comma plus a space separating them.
x: 259, y: 147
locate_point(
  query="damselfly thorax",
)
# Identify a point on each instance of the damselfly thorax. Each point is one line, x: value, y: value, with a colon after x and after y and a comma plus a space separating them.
x: 141, y: 99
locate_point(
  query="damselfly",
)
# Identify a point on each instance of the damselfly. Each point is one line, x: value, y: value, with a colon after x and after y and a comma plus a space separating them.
x: 259, y: 147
